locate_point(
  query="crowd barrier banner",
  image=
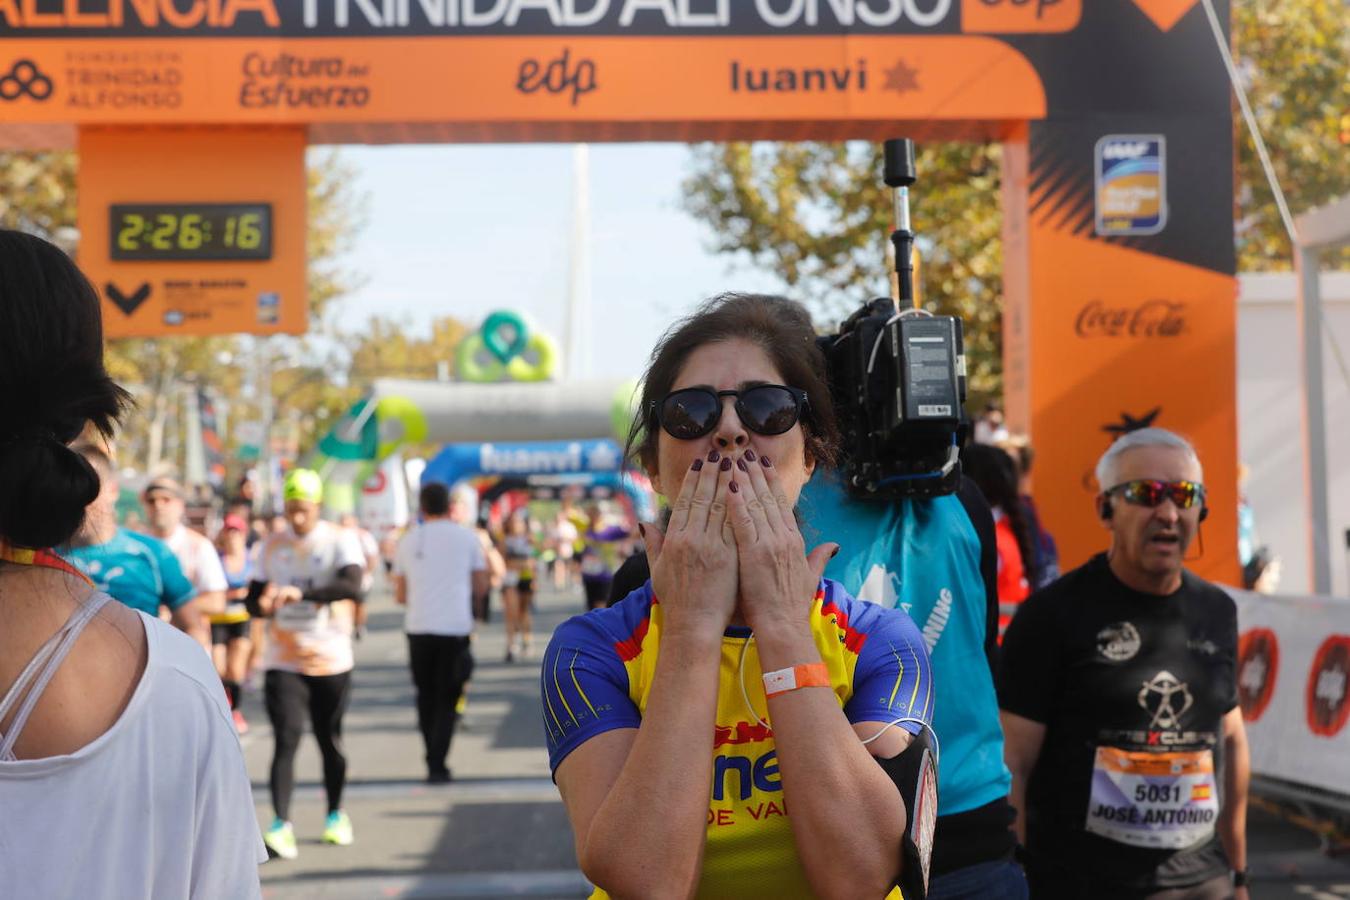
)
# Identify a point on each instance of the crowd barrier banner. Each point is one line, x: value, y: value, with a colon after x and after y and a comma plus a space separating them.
x: 1293, y: 661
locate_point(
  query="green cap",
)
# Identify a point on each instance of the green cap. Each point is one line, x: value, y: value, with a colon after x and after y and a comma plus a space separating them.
x: 303, y: 484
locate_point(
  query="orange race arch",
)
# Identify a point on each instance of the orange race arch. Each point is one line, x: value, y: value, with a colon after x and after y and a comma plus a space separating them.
x: 192, y: 117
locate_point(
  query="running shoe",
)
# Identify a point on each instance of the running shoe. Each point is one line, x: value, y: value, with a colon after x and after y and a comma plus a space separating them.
x: 338, y: 829
x: 240, y: 724
x: 280, y: 840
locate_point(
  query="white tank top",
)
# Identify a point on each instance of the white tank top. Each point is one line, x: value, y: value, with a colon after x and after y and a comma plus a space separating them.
x: 158, y: 806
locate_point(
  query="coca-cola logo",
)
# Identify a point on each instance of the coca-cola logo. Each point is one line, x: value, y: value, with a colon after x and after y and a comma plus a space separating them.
x: 1150, y: 319
x: 1258, y: 664
x: 1326, y: 693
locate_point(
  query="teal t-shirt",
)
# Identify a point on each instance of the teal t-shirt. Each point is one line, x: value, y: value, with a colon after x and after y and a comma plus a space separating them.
x: 139, y: 570
x: 923, y: 556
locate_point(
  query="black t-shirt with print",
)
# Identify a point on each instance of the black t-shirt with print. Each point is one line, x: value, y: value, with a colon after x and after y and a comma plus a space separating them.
x: 1102, y: 665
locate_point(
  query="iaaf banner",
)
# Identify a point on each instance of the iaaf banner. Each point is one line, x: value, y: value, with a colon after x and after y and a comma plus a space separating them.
x: 1293, y: 661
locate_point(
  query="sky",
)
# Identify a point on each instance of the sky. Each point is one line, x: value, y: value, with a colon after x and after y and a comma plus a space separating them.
x: 463, y: 230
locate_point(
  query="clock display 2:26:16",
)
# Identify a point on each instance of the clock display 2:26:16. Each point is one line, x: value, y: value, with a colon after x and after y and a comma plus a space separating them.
x: 191, y: 231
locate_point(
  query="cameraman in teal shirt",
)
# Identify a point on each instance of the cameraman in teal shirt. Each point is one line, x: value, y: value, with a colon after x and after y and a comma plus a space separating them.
x: 934, y: 558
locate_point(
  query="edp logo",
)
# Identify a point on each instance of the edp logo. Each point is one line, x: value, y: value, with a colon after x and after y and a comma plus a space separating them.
x: 558, y: 76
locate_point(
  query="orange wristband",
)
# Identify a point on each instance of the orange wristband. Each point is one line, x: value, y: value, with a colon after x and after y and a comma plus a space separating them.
x: 783, y: 681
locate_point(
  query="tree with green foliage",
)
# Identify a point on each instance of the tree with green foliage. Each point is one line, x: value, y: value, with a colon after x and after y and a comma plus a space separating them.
x: 38, y: 195
x: 1295, y: 59
x: 818, y: 214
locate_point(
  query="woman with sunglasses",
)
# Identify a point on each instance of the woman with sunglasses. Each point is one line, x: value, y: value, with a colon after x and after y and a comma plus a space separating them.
x: 717, y: 732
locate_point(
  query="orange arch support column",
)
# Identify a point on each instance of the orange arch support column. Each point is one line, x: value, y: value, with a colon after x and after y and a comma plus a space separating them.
x: 1104, y: 332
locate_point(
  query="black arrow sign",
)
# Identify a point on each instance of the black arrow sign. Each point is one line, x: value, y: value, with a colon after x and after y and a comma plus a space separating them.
x: 127, y: 304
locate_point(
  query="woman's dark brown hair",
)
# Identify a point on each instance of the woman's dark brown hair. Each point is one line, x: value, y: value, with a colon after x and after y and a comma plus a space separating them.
x: 52, y: 384
x: 778, y: 326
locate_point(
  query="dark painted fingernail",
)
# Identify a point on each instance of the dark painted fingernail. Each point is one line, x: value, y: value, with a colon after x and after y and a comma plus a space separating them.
x: 834, y: 552
x: 735, y: 488
x: 726, y: 464
x: 740, y: 464
x: 765, y: 461
x: 749, y: 455
x: 713, y: 456
x: 698, y: 464
x: 642, y: 530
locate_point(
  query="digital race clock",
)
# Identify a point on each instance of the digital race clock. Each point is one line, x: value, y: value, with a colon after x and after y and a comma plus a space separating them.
x: 168, y: 232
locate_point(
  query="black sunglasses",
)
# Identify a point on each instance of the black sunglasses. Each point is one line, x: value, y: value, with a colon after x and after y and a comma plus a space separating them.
x: 766, y: 409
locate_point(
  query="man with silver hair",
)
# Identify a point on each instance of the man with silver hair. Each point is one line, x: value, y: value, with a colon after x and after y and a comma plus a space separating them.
x: 1118, y: 697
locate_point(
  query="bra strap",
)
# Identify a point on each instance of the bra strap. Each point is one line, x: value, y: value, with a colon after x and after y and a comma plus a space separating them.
x: 40, y: 671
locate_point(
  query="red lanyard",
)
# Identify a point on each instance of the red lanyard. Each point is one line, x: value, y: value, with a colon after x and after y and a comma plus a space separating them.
x: 45, y: 558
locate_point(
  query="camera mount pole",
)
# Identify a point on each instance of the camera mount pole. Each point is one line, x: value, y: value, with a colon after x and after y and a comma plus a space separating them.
x: 900, y: 174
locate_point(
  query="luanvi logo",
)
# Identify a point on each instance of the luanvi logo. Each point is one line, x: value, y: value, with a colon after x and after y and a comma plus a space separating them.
x: 127, y: 303
x: 24, y: 79
x: 795, y: 80
x: 1150, y: 319
x: 558, y: 76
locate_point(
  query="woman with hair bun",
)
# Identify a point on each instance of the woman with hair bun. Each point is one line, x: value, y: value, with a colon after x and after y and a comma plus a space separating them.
x: 120, y: 772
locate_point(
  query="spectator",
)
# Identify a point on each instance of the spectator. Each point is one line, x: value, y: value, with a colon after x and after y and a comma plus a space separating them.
x: 136, y: 569
x: 1043, y: 567
x: 120, y: 773
x: 734, y: 417
x: 995, y: 473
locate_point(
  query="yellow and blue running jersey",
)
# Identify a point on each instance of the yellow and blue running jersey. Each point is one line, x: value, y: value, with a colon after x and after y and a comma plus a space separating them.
x: 597, y: 674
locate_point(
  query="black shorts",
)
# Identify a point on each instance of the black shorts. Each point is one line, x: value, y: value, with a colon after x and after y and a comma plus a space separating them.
x: 223, y: 634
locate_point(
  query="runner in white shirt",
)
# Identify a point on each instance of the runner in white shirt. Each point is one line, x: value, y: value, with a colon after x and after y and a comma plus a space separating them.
x: 164, y: 508
x: 309, y: 583
x: 438, y: 568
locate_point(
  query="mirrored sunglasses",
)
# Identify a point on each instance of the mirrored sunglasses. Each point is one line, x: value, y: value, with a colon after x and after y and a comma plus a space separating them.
x: 1145, y: 492
x: 766, y: 409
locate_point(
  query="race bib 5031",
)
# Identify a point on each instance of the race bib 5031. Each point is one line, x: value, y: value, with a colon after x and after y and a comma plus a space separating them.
x: 1158, y: 800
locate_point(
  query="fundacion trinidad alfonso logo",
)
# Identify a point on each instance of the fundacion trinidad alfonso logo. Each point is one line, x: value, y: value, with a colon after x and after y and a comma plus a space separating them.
x: 24, y: 79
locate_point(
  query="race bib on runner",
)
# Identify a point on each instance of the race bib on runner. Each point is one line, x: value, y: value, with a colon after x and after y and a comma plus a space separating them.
x: 1157, y: 800
x: 301, y: 617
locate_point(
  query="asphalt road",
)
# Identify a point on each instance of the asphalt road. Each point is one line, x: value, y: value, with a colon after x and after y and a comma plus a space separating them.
x: 499, y: 830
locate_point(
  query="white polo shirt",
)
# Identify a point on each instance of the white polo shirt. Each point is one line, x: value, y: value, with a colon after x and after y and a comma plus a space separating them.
x: 437, y: 559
